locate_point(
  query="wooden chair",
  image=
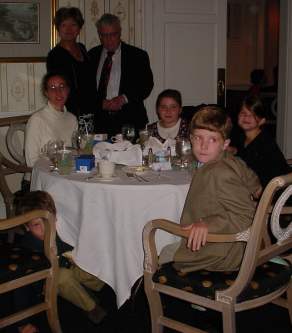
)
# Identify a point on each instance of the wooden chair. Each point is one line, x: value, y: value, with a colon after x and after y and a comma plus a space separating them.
x: 8, y: 167
x: 259, y: 281
x: 16, y: 272
x: 12, y: 132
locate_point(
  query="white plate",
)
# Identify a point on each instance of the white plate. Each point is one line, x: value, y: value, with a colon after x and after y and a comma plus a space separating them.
x: 139, y: 169
x: 108, y: 179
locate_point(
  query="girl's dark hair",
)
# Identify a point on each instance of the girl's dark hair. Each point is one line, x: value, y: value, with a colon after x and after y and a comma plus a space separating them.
x: 172, y: 93
x: 48, y: 76
x: 65, y: 13
x: 35, y: 200
x: 254, y: 105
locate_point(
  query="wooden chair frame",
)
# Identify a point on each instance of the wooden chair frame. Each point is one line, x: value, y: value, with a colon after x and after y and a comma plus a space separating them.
x: 12, y: 131
x: 49, y: 275
x: 7, y: 167
x: 257, y: 252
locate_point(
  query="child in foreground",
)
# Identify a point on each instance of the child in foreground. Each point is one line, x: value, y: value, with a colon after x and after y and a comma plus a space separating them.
x: 72, y: 280
x: 220, y: 198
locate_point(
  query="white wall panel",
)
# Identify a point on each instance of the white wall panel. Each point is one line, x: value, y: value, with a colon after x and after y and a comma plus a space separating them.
x: 187, y: 45
x: 190, y: 6
x: 20, y: 87
x: 193, y: 46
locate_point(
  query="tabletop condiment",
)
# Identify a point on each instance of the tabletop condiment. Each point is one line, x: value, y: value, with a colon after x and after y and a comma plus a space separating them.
x: 150, y: 157
x: 169, y: 153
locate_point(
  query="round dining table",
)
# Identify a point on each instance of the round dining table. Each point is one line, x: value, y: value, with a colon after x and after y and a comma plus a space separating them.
x: 103, y: 219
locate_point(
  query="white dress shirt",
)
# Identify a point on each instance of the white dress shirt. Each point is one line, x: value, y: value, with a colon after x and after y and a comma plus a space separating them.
x: 115, y: 75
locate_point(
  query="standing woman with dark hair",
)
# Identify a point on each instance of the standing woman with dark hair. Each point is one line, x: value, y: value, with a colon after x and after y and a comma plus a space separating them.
x: 70, y: 58
x: 257, y: 148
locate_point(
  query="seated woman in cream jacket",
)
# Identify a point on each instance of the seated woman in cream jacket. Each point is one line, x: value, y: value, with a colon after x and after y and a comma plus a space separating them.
x: 52, y: 122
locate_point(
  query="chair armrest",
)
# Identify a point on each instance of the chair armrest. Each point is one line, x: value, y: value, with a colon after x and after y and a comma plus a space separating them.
x: 151, y: 256
x: 11, y: 167
x: 22, y: 219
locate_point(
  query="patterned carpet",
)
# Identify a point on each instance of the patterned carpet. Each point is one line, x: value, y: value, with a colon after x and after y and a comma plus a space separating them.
x: 133, y: 317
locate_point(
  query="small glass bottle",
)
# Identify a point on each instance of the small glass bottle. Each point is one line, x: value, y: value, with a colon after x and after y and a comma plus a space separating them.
x: 169, y: 154
x: 150, y: 157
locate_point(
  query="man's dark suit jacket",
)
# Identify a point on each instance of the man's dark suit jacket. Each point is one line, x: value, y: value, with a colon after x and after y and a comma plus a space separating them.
x: 136, y: 83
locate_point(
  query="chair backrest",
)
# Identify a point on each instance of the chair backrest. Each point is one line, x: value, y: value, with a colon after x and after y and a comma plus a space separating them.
x: 16, y: 152
x: 258, y: 251
x: 7, y: 167
x: 189, y: 110
x: 28, y: 274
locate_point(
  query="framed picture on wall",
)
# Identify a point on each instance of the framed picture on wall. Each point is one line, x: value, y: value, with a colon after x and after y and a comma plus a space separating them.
x: 25, y: 29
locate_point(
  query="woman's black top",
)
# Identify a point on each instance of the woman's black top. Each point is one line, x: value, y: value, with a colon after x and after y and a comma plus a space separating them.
x: 82, y: 98
x: 264, y: 157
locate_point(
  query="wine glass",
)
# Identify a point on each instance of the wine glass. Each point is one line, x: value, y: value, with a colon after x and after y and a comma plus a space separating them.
x: 143, y: 137
x: 128, y: 132
x: 183, y: 151
x: 53, y: 146
x: 76, y: 139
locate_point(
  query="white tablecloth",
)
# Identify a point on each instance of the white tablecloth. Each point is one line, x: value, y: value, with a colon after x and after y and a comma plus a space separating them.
x: 103, y: 220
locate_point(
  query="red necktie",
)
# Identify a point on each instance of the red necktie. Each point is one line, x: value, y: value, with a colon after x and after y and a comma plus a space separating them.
x: 105, y: 75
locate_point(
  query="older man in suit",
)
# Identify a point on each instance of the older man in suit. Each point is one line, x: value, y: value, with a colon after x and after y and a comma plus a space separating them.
x: 123, y: 79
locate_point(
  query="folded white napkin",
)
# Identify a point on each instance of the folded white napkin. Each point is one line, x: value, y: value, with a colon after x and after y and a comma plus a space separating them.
x: 121, y: 152
x: 157, y: 145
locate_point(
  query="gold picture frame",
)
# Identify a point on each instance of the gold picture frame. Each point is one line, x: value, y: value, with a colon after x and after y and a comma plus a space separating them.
x: 16, y: 50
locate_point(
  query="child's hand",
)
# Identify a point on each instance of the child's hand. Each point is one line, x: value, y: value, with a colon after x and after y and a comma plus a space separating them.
x: 257, y: 194
x: 198, y: 235
x: 28, y: 328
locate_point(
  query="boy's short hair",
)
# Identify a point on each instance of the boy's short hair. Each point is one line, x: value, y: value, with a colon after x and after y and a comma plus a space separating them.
x: 35, y: 200
x: 212, y: 118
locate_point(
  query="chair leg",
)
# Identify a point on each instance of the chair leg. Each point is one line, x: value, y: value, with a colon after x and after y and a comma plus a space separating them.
x: 53, y: 319
x: 289, y: 300
x: 51, y: 299
x: 228, y: 314
x: 155, y: 306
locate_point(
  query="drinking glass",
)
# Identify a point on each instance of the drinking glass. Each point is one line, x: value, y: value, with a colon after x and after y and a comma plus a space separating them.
x: 65, y: 161
x: 52, y: 151
x: 87, y: 141
x: 183, y: 151
x: 76, y: 139
x: 128, y: 132
x: 143, y: 137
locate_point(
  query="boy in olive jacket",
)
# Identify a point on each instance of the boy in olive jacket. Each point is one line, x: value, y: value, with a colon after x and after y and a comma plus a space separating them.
x: 220, y: 198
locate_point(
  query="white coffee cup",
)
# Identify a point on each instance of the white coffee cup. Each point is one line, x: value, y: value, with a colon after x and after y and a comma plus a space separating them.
x: 106, y: 168
x: 100, y: 137
x: 117, y: 138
